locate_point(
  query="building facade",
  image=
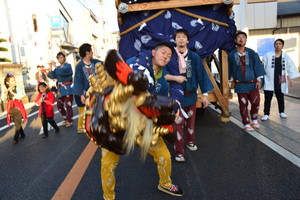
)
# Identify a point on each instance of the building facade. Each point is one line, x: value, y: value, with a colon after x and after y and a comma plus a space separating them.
x: 37, y: 30
x: 266, y: 21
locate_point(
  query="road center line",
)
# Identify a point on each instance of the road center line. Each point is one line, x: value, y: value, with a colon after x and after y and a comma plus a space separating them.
x: 69, y: 185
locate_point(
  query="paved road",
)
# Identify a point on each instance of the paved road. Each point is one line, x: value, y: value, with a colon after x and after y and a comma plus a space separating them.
x: 230, y: 164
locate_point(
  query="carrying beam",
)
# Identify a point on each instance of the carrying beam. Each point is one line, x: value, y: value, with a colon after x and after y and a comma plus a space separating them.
x: 219, y: 96
x: 158, y: 5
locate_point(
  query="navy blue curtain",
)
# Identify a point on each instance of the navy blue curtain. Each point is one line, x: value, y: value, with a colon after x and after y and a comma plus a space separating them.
x: 205, y: 37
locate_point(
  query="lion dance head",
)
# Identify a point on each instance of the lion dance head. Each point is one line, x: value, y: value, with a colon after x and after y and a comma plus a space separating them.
x: 120, y: 112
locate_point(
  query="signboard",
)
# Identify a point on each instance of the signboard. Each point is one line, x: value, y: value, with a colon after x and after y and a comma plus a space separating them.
x: 56, y: 22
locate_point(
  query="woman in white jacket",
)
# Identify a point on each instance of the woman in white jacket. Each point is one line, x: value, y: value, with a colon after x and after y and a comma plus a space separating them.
x: 279, y: 69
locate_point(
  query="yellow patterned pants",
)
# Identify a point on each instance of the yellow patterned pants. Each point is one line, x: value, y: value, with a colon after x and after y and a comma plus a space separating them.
x: 80, y: 118
x: 109, y: 161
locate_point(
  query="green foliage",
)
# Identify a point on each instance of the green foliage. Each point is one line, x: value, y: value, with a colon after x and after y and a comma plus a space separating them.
x: 3, y: 49
x: 4, y: 60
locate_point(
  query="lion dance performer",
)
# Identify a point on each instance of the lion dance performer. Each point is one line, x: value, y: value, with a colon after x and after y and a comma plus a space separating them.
x: 120, y: 113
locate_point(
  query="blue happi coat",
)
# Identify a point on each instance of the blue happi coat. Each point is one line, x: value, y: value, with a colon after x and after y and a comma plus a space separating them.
x: 143, y: 62
x: 195, y: 75
x: 254, y: 69
x: 63, y: 74
x: 81, y: 78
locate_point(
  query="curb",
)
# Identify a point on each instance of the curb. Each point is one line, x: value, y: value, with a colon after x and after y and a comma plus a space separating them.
x: 292, y: 96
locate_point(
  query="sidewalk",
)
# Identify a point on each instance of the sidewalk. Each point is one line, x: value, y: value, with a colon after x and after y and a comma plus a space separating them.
x: 283, y: 132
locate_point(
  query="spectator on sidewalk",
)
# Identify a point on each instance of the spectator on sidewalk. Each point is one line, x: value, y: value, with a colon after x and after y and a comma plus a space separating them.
x: 13, y: 94
x: 247, y: 70
x: 280, y: 69
x: 63, y: 74
x: 45, y: 101
x: 190, y: 73
x: 41, y: 74
x: 83, y: 70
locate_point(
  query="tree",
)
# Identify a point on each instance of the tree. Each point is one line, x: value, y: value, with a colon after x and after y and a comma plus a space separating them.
x: 3, y: 49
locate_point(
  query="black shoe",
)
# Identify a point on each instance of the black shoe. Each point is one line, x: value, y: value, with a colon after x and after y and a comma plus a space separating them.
x: 57, y: 130
x: 173, y: 190
x: 22, y: 137
x: 14, y: 141
x: 45, y: 136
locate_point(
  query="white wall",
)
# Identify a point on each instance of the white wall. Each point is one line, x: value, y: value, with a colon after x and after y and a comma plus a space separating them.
x: 258, y: 15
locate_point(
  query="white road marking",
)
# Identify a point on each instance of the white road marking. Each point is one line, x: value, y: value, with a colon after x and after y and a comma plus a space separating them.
x: 58, y: 124
x: 27, y: 106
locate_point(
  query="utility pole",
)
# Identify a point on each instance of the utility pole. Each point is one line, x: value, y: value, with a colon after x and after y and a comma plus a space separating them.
x: 9, y: 24
x: 243, y: 16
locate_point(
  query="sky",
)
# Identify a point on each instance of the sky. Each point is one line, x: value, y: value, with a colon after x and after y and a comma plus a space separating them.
x: 108, y: 10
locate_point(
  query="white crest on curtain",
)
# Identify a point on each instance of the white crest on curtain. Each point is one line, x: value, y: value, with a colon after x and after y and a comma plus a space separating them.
x: 168, y: 15
x: 137, y: 45
x: 142, y: 26
x: 200, y: 21
x: 194, y: 23
x: 215, y: 27
x: 176, y: 25
x: 146, y: 38
x: 198, y: 45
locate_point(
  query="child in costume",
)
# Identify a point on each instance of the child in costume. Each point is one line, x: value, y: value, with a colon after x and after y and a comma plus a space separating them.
x: 41, y: 74
x: 45, y: 100
x: 14, y: 108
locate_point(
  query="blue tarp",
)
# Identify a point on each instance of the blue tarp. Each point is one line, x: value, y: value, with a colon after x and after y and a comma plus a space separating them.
x: 205, y: 37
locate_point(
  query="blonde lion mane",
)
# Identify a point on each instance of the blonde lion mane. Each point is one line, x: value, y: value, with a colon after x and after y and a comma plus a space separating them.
x: 123, y: 113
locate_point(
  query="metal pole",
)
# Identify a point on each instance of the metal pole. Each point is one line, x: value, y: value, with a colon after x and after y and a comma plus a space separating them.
x: 244, y: 13
x: 9, y: 24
